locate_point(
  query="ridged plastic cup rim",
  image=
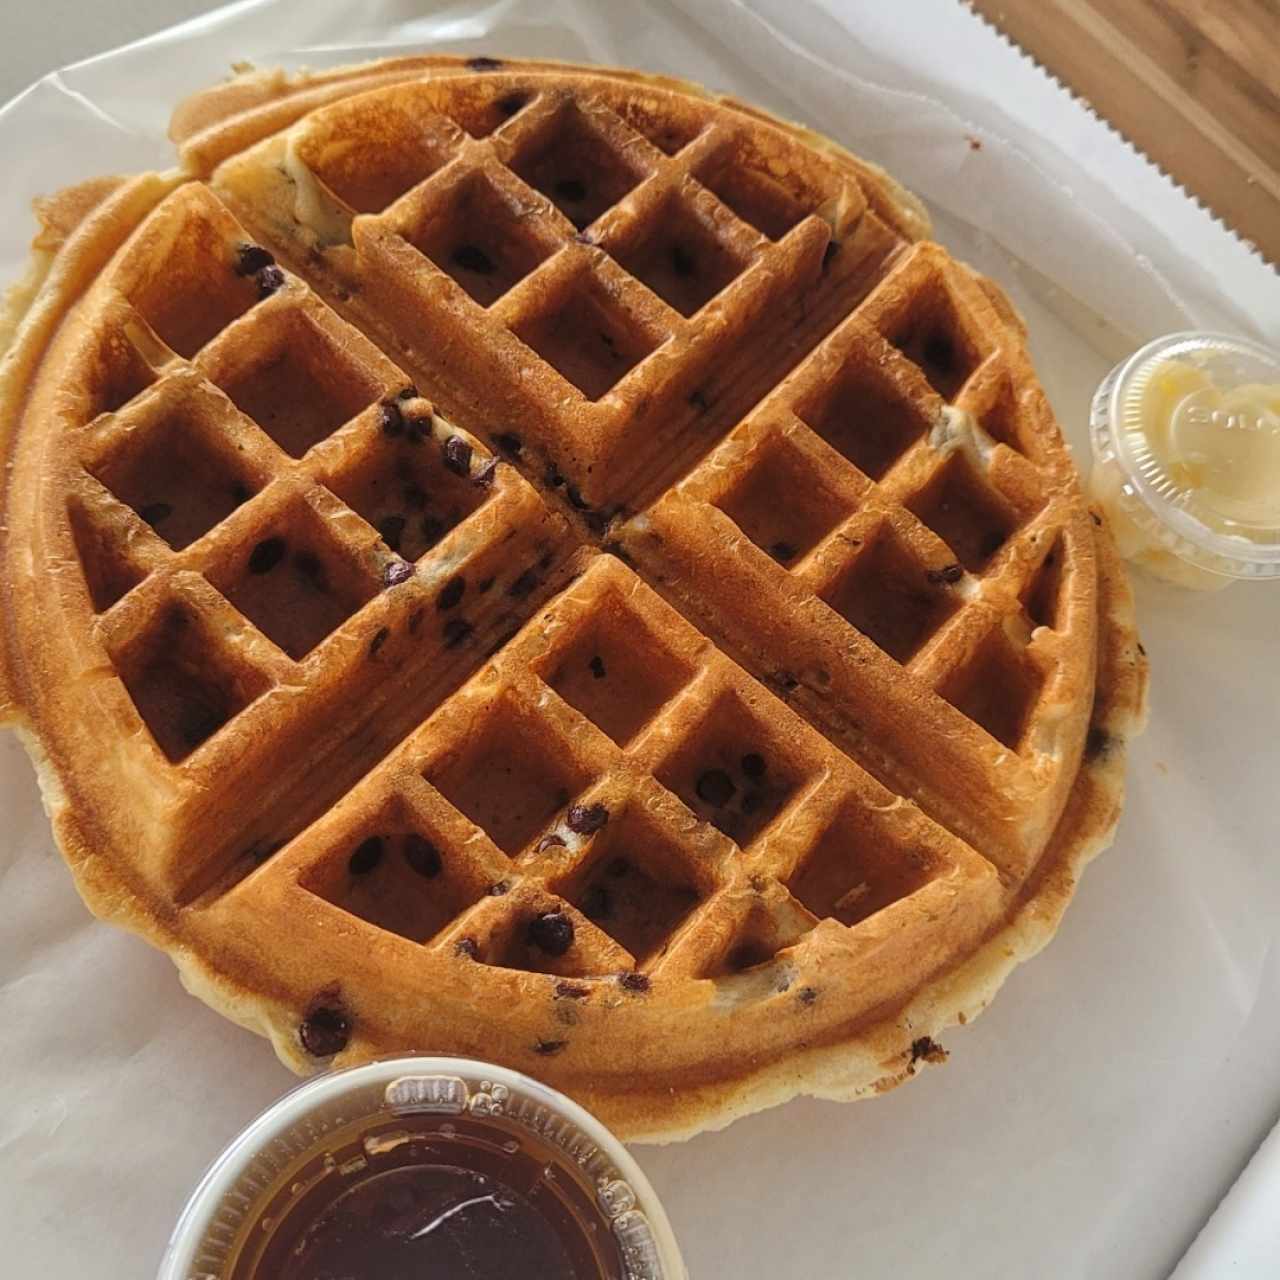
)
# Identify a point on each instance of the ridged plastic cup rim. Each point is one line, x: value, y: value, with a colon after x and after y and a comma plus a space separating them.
x: 1174, y: 528
x: 210, y: 1196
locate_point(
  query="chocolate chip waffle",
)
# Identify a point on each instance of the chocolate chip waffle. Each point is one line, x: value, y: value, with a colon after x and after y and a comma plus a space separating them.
x: 547, y: 564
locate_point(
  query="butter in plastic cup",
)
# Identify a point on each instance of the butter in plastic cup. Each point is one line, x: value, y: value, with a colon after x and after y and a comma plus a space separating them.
x: 1186, y: 459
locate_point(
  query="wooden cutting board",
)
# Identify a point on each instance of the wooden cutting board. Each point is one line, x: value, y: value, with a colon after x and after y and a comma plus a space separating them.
x: 1193, y: 83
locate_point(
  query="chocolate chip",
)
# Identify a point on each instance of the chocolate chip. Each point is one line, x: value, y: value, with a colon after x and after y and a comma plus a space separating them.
x: 451, y: 594
x: 753, y: 765
x: 483, y: 479
x: 252, y: 258
x: 457, y: 455
x: 456, y: 630
x: 572, y: 991
x: 782, y: 552
x: 523, y: 585
x: 699, y: 400
x: 829, y: 253
x: 1142, y: 650
x: 929, y: 1049
x: 596, y: 904
x: 391, y: 529
x: 551, y: 932
x: 552, y: 477
x: 1097, y: 743
x: 597, y: 667
x: 498, y: 888
x: 466, y: 947
x: 470, y: 257
x: 390, y: 419
x: 1096, y: 518
x: 155, y: 512
x: 512, y: 103
x: 269, y: 279
x: 587, y: 819
x: 572, y: 189
x: 325, y: 1030
x: 381, y: 636
x: 550, y: 841
x: 311, y: 570
x: 683, y: 263
x: 617, y: 868
x: 482, y: 63
x: 807, y: 995
x: 422, y: 856
x: 715, y: 787
x: 267, y: 555
x: 635, y: 982
x: 395, y: 573
x: 509, y: 443
x: 785, y: 681
x: 548, y: 1048
x: 950, y: 574
x: 409, y: 392
x: 758, y: 883
x: 366, y: 857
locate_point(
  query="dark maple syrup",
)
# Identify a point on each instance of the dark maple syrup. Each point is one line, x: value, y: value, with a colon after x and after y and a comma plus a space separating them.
x: 431, y: 1195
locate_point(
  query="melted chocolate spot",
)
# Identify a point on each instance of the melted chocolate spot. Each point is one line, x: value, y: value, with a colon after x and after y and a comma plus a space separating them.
x: 457, y: 455
x: 252, y: 258
x: 326, y: 1029
x: 587, y: 819
x: 267, y: 555
x: 715, y: 787
x: 551, y: 932
x: 422, y: 856
x: 395, y: 573
x: 451, y: 594
x: 366, y: 856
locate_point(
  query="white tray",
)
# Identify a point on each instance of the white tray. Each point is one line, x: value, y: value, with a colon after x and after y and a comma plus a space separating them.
x: 1087, y: 1125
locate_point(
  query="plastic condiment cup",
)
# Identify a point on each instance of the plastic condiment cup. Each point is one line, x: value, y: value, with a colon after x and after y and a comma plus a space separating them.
x: 1186, y: 449
x: 235, y: 1191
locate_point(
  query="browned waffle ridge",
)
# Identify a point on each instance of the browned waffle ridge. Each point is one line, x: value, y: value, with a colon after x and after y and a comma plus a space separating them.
x: 544, y: 563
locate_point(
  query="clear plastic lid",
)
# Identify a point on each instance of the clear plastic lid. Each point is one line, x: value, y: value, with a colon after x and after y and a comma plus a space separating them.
x: 1186, y: 445
x: 303, y: 1126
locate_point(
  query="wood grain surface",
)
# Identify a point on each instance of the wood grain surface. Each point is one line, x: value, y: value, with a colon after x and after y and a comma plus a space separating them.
x: 1193, y: 83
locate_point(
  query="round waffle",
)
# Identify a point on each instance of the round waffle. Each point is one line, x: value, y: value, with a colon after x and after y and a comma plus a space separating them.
x: 547, y: 564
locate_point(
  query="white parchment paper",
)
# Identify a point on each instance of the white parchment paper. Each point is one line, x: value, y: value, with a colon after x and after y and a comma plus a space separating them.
x: 1086, y: 1125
